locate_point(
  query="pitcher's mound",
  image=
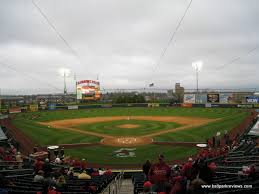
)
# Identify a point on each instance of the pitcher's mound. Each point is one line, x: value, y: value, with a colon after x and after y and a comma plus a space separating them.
x: 128, y: 126
x: 126, y: 141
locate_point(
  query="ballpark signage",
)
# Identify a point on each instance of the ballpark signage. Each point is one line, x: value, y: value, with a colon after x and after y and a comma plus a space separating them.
x: 88, y: 82
x: 189, y: 98
x: 252, y: 99
x: 212, y: 98
x: 226, y: 98
x: 88, y: 90
x: 34, y: 107
x: 125, y: 153
x: 201, y: 98
x: 14, y: 110
x: 52, y: 106
x: 72, y: 107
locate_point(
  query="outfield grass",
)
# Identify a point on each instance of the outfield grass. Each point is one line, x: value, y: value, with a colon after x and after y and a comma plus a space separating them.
x: 106, y: 155
x: 144, y: 127
x: 83, y: 113
x: 43, y: 135
x: 201, y: 133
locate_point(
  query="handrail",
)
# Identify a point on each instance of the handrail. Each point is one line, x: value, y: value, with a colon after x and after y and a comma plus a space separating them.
x: 115, y: 186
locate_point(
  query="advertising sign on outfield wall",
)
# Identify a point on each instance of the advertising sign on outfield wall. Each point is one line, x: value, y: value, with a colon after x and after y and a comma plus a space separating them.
x: 14, y: 110
x: 106, y: 105
x: 245, y: 106
x: 208, y: 105
x: 225, y: 98
x: 34, y: 107
x: 201, y: 98
x: 186, y: 105
x: 189, y: 98
x: 252, y: 99
x: 153, y: 105
x: 72, y: 107
x: 212, y: 98
x: 52, y: 106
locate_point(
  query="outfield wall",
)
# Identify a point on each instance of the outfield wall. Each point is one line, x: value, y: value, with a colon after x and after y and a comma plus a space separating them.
x: 51, y: 107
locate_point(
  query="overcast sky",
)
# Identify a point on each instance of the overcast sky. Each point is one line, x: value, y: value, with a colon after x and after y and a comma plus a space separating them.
x: 121, y: 41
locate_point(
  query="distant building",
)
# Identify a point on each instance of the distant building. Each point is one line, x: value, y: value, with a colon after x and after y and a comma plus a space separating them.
x: 179, y: 92
x: 179, y: 89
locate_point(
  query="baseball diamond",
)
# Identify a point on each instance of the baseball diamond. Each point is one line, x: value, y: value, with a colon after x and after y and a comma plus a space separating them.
x: 100, y: 132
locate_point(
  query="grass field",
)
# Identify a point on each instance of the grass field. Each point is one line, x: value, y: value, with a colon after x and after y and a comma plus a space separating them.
x: 106, y: 155
x: 43, y: 135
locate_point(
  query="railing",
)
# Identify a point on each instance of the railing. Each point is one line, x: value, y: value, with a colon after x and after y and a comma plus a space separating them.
x: 115, y: 186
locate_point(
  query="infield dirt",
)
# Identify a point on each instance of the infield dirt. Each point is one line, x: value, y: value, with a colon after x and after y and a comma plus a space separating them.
x: 187, y: 122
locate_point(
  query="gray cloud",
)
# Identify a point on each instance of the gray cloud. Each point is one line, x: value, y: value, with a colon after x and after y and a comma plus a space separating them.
x: 121, y: 42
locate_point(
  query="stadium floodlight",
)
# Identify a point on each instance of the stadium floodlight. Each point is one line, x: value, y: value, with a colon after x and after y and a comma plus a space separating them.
x: 64, y: 72
x: 197, y: 66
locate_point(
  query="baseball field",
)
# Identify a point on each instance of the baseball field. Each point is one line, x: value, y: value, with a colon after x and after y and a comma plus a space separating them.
x: 128, y: 136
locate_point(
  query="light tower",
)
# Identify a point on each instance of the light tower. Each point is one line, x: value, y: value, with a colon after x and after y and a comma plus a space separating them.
x: 65, y: 73
x: 197, y: 66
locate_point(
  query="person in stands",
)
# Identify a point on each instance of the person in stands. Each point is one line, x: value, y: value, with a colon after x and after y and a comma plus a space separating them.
x: 159, y: 175
x: 147, y: 187
x: 188, y: 171
x: 83, y: 175
x: 61, y: 183
x: 146, y: 167
x: 47, y: 168
x: 19, y: 159
x: 38, y: 165
x: 39, y: 177
x: 83, y: 164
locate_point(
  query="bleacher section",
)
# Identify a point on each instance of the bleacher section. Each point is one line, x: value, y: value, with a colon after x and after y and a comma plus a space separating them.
x: 240, y: 167
x: 18, y: 177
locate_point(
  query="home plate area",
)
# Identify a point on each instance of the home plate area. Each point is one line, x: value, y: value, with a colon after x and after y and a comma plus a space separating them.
x: 126, y: 141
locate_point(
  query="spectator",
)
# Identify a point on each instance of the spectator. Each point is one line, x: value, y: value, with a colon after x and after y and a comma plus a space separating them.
x: 147, y: 187
x: 35, y: 149
x: 49, y: 155
x: 83, y: 175
x: 178, y: 185
x: 38, y: 165
x: 70, y: 173
x: 205, y: 172
x: 52, y: 190
x: 56, y: 152
x: 213, y: 141
x: 39, y: 177
x: 62, y: 153
x: 146, y: 167
x: 101, y: 171
x: 226, y: 138
x: 159, y: 175
x: 83, y: 164
x: 47, y: 168
x: 195, y: 187
x: 61, y: 182
x: 58, y: 161
x: 19, y: 159
x: 218, y: 139
x: 108, y: 172
x: 95, y: 173
x: 188, y: 171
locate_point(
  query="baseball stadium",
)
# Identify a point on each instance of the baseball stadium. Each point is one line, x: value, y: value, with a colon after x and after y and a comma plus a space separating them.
x: 133, y: 97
